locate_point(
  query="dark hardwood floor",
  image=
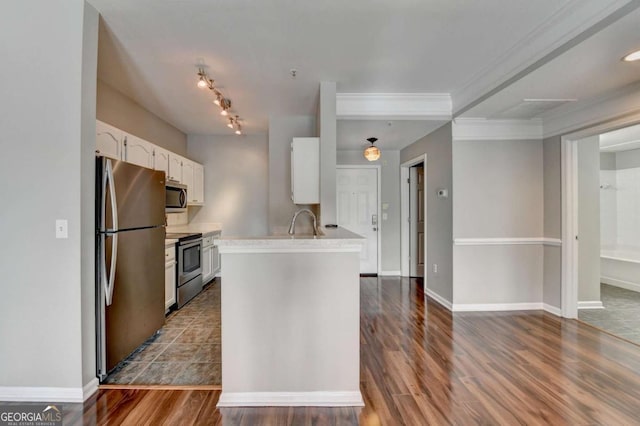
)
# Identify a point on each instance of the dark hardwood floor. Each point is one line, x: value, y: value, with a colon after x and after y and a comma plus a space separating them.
x: 422, y: 365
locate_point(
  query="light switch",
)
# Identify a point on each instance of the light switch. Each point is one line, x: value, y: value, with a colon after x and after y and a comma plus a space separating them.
x: 385, y: 206
x: 384, y: 216
x: 62, y: 228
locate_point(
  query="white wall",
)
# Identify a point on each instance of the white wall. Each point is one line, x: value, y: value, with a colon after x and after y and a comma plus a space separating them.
x: 390, y: 188
x: 589, y: 219
x: 236, y: 182
x: 439, y: 226
x: 87, y: 190
x: 40, y: 307
x: 498, y: 193
x: 327, y: 132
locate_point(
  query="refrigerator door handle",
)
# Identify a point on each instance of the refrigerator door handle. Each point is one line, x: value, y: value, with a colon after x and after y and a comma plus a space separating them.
x: 112, y: 270
x: 112, y: 195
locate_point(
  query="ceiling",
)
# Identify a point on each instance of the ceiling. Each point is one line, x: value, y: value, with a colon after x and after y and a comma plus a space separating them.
x: 588, y: 70
x: 392, y: 135
x: 150, y: 49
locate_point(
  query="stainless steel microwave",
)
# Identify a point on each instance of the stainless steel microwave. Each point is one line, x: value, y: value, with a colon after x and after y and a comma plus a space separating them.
x: 176, y: 197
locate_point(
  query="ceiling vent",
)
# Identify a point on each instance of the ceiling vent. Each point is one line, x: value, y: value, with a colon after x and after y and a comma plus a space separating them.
x: 530, y: 108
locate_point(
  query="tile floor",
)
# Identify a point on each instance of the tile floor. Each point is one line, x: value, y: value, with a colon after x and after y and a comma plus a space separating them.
x: 621, y: 315
x: 186, y: 351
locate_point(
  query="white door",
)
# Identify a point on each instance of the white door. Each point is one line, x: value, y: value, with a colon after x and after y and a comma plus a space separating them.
x: 207, y: 271
x: 357, y: 206
x: 138, y: 151
x: 175, y: 167
x: 198, y: 183
x: 169, y: 284
x: 187, y: 179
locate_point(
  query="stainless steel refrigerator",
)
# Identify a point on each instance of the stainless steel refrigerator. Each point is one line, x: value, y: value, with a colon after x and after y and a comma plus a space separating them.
x: 130, y: 203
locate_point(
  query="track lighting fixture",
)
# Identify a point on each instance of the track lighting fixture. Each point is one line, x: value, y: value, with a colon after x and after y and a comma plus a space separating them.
x: 224, y: 103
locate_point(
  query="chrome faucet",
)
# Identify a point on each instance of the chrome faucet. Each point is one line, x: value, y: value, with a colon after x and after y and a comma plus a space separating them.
x: 292, y: 228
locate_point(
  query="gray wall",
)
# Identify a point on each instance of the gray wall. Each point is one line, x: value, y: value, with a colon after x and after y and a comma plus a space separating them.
x: 552, y: 282
x: 40, y: 307
x: 327, y: 132
x: 390, y: 193
x: 87, y: 191
x: 498, y: 189
x: 122, y: 112
x: 589, y: 219
x: 437, y: 145
x: 498, y: 193
x: 235, y: 182
x: 627, y: 159
x: 608, y: 160
x: 282, y: 130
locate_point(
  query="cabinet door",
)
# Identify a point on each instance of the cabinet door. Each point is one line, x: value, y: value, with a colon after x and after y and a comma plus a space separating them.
x: 169, y: 284
x: 187, y: 178
x: 215, y: 260
x: 108, y: 141
x: 305, y: 171
x: 138, y: 151
x: 207, y: 272
x: 175, y: 167
x: 161, y: 160
x: 198, y: 183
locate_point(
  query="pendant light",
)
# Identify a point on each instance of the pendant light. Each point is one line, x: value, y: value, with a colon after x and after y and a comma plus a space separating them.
x: 372, y: 153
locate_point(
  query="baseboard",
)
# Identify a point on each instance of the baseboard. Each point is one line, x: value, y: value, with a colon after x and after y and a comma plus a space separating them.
x: 552, y: 309
x: 435, y: 296
x: 494, y: 307
x: 389, y: 273
x: 291, y: 399
x: 41, y: 394
x: 590, y: 304
x: 90, y: 388
x: 628, y: 285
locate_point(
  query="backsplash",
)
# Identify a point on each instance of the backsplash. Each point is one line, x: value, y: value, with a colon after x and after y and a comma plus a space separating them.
x: 174, y: 219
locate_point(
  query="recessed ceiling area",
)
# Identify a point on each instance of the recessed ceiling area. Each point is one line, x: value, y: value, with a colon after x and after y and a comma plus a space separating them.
x: 149, y: 50
x: 392, y: 135
x: 588, y: 70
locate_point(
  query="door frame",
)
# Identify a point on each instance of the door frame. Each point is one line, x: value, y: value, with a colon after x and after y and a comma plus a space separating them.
x: 405, y: 248
x: 377, y: 168
x: 569, y: 191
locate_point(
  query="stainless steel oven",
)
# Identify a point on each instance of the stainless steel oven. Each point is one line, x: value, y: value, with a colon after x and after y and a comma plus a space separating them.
x: 189, y: 268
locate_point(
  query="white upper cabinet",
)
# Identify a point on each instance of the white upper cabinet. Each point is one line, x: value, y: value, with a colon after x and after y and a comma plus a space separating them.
x: 161, y: 160
x: 187, y: 178
x: 198, y: 184
x: 305, y: 171
x: 175, y: 168
x: 138, y: 151
x: 109, y: 141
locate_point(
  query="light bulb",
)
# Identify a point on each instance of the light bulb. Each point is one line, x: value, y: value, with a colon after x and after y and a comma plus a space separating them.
x: 633, y: 56
x: 238, y: 132
x: 218, y: 99
x: 224, y: 112
x: 202, y: 83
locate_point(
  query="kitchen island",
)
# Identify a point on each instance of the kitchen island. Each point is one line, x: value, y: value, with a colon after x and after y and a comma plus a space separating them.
x: 291, y: 320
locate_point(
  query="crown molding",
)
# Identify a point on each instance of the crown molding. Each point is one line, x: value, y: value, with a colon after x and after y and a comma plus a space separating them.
x: 393, y: 106
x: 571, y: 24
x: 482, y: 129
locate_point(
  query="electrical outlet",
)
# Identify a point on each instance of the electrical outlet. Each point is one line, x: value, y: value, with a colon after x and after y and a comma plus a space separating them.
x: 385, y: 216
x: 62, y: 228
x: 435, y: 268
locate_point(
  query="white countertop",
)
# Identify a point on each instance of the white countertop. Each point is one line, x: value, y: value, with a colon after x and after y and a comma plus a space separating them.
x: 203, y: 228
x: 333, y: 239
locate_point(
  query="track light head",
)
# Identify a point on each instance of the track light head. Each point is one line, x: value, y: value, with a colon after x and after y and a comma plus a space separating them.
x: 203, y: 81
x: 238, y: 129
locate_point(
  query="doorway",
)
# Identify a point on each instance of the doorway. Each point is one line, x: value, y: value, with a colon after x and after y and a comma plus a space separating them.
x: 590, y: 250
x: 416, y: 216
x: 358, y: 208
x: 413, y: 229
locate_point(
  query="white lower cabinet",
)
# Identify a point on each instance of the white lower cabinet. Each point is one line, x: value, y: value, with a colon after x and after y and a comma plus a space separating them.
x: 169, y: 276
x: 210, y: 257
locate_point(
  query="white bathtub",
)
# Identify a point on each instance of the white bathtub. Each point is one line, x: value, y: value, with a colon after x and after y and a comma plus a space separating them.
x: 621, y: 268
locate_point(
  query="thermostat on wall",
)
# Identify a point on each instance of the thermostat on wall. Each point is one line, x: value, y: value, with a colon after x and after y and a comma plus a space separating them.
x: 443, y: 193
